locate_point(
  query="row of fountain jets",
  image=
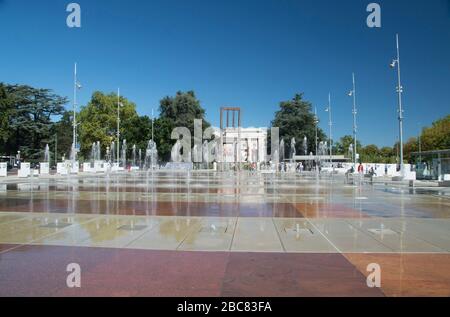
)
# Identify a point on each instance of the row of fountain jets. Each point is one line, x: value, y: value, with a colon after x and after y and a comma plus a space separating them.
x: 151, y: 153
x: 322, y: 149
x: 150, y: 160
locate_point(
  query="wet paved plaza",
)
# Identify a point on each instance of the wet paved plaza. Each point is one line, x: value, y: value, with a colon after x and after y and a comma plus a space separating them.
x: 221, y: 234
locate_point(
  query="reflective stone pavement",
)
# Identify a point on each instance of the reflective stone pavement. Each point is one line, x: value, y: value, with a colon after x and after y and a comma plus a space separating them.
x: 221, y: 234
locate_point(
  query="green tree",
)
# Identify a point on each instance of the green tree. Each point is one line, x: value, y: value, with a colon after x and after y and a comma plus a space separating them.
x: 295, y: 119
x: 387, y: 155
x: 178, y: 111
x: 6, y: 111
x: 437, y: 137
x: 62, y: 133
x: 98, y: 121
x: 28, y: 119
x: 343, y: 145
x: 138, y: 130
x: 163, y: 129
x: 412, y: 145
x: 370, y: 153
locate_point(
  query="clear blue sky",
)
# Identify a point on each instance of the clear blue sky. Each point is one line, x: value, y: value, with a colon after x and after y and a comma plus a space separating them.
x: 247, y: 53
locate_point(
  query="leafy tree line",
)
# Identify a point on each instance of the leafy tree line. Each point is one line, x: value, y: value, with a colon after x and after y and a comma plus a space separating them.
x: 98, y: 122
x: 28, y: 114
x: 369, y: 153
x: 27, y: 123
x: 435, y: 137
x: 296, y: 120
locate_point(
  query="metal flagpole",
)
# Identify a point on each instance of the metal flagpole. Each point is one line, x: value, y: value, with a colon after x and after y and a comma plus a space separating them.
x: 400, y: 107
x: 56, y: 149
x: 354, y: 121
x: 118, y: 126
x: 75, y: 107
x: 316, y: 122
x: 153, y: 120
x: 396, y: 62
x: 330, y: 123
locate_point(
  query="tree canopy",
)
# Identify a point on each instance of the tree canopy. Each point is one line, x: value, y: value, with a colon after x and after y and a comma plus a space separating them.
x: 62, y: 134
x: 98, y: 121
x: 28, y: 115
x: 6, y: 110
x: 27, y: 118
x: 342, y: 146
x: 178, y: 111
x: 295, y: 119
x: 437, y: 137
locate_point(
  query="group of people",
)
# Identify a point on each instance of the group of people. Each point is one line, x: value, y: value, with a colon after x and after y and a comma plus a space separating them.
x: 371, y: 171
x: 300, y: 167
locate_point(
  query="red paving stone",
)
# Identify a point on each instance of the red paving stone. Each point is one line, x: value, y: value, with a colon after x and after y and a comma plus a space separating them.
x: 158, y: 208
x: 5, y: 247
x: 409, y: 274
x: 40, y: 271
x: 328, y: 210
x: 293, y: 275
x: 157, y: 190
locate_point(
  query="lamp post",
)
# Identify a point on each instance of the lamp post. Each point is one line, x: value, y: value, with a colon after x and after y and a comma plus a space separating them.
x: 352, y: 93
x: 316, y: 122
x: 396, y: 62
x: 76, y: 86
x: 330, y: 124
x: 153, y: 122
x: 420, y: 145
x: 74, y: 141
x: 420, y: 149
x: 56, y: 149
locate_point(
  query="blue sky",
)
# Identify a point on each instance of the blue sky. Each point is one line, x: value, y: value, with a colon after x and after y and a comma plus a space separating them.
x: 247, y: 53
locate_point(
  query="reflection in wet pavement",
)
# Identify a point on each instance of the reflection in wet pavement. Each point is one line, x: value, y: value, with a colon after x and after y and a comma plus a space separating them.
x: 223, y: 217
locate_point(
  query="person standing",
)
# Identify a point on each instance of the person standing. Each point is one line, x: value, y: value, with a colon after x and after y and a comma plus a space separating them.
x: 360, y: 168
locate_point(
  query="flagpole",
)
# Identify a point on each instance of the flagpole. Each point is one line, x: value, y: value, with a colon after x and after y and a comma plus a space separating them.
x: 75, y: 107
x: 354, y: 121
x: 118, y: 126
x: 316, y: 122
x: 153, y: 120
x: 331, y: 124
